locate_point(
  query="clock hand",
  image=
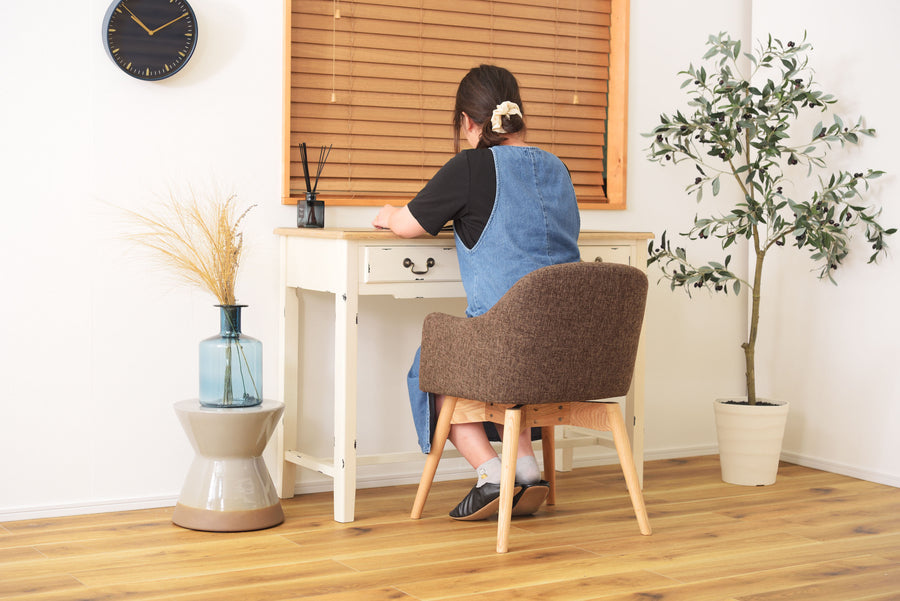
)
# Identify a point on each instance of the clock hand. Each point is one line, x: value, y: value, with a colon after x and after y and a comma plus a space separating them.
x: 138, y: 21
x: 169, y: 23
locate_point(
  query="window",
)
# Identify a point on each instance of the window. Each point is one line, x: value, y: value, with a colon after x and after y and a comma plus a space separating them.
x: 376, y: 79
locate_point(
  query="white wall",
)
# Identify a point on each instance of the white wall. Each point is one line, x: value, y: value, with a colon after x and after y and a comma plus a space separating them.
x: 680, y: 344
x: 830, y: 350
x: 101, y: 343
x: 98, y: 342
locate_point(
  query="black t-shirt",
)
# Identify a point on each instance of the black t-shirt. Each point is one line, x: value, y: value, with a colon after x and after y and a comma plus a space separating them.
x: 463, y: 191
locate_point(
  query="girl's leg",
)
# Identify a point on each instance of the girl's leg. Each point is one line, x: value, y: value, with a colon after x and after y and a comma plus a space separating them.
x: 469, y: 439
x: 525, y: 446
x: 472, y: 442
x: 483, y: 500
x: 527, y: 470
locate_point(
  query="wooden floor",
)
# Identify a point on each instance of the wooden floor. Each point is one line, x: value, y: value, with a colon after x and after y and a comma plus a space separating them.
x: 812, y: 535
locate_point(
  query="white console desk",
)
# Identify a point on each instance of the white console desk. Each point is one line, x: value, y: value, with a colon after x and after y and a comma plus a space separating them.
x: 350, y: 263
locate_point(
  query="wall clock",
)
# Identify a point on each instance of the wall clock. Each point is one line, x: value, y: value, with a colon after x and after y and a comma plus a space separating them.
x: 150, y: 39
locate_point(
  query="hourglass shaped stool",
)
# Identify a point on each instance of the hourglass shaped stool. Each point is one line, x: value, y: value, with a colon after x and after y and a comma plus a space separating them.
x: 228, y: 488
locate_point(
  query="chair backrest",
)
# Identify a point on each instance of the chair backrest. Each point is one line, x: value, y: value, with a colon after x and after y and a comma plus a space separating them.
x: 562, y: 333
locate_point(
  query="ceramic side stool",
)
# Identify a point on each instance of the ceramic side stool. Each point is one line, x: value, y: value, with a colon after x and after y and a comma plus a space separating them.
x: 228, y: 488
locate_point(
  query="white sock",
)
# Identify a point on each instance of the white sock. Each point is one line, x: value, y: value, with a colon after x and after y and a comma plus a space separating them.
x: 527, y: 470
x: 489, y: 471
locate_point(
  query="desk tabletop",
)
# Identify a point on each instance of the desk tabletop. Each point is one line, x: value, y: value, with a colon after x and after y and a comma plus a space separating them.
x: 360, y: 233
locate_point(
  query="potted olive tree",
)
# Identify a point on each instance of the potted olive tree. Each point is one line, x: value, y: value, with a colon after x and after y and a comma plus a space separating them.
x: 743, y: 135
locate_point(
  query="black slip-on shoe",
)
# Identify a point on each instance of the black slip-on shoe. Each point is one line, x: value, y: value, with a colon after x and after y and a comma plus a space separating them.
x: 481, y: 503
x: 530, y: 498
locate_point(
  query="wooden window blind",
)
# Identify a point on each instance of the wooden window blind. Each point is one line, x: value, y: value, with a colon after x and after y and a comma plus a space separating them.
x: 379, y: 82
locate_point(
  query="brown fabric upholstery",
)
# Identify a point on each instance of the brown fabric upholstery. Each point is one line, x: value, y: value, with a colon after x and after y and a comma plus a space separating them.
x: 563, y: 333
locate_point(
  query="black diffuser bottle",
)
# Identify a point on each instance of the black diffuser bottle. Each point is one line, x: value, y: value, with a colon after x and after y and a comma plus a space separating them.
x: 311, y: 212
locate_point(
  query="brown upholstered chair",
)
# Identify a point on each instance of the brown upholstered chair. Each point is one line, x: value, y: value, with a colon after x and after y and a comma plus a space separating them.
x: 562, y: 338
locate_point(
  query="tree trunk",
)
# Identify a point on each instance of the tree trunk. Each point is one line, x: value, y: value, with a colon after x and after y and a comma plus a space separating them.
x: 750, y: 346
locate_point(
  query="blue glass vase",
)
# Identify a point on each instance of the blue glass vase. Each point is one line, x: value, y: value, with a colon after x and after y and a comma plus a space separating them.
x: 230, y: 364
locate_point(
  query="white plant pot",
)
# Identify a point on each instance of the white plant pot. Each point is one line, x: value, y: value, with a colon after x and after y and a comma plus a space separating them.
x: 750, y: 439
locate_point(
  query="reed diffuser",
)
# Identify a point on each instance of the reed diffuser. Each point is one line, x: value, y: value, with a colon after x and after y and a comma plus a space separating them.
x: 312, y: 212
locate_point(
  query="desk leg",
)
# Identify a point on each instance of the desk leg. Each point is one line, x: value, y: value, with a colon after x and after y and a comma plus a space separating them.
x: 288, y: 381
x: 634, y: 401
x: 634, y: 425
x: 345, y: 352
x: 634, y: 412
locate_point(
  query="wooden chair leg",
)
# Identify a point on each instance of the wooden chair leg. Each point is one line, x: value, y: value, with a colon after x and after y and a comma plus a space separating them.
x: 512, y: 427
x: 441, y: 432
x: 626, y: 460
x: 548, y: 444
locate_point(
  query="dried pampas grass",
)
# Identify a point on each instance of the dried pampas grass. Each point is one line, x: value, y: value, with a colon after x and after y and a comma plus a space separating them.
x: 199, y: 239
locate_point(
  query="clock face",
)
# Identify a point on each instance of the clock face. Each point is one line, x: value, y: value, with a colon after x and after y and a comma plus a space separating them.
x: 150, y: 39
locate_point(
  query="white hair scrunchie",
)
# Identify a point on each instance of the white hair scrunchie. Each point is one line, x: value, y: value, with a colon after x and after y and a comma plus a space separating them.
x: 504, y: 109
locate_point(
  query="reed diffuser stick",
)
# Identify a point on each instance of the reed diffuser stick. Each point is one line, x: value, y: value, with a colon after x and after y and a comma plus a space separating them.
x: 323, y: 156
x: 305, y: 163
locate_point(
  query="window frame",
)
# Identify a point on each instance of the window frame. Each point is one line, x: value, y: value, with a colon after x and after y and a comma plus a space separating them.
x: 615, y: 151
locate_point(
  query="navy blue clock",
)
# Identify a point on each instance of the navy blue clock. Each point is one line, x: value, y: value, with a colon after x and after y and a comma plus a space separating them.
x: 150, y: 39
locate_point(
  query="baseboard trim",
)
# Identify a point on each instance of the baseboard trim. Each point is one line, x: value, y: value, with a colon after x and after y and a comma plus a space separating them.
x: 15, y: 514
x: 454, y: 470
x: 680, y: 452
x: 457, y: 469
x: 842, y: 469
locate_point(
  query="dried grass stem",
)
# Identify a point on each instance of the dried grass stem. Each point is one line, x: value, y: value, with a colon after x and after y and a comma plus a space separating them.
x: 200, y: 241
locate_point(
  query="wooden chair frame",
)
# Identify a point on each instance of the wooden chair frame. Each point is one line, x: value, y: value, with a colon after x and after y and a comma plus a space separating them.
x: 602, y: 416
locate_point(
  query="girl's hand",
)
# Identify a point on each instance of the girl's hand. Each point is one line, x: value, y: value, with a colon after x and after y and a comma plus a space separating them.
x: 383, y: 218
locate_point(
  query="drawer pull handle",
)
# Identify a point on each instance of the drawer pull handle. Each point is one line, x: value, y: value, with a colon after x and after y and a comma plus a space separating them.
x: 407, y: 262
x: 598, y: 259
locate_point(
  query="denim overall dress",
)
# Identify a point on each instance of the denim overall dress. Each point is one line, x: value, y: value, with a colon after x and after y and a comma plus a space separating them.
x: 534, y: 223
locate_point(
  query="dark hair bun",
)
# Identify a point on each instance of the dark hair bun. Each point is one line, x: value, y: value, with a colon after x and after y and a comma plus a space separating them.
x: 480, y: 92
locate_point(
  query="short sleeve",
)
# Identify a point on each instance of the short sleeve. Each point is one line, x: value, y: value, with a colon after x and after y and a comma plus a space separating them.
x: 444, y: 197
x: 462, y: 191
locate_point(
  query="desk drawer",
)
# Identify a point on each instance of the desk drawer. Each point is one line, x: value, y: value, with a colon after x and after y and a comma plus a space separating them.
x: 607, y: 253
x: 410, y: 264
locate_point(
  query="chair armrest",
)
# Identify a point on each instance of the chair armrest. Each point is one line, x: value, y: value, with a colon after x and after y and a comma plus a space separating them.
x: 459, y: 342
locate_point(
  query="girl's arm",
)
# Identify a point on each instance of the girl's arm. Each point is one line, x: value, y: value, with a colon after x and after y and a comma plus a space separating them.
x: 399, y: 220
